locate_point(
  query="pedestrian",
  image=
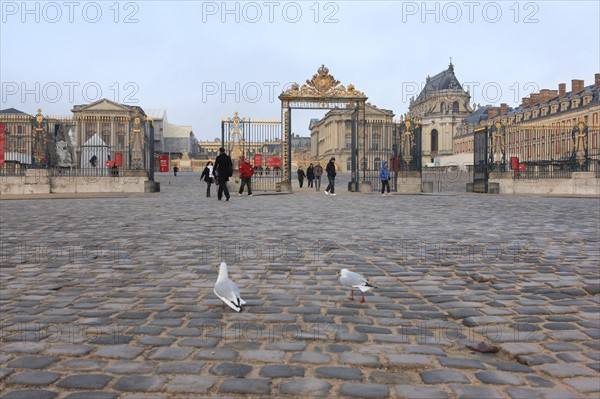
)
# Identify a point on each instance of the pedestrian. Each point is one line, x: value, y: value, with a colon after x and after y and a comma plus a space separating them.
x: 301, y: 176
x: 310, y: 175
x: 224, y: 170
x: 175, y: 170
x: 384, y: 176
x: 246, y: 173
x: 318, y: 171
x: 208, y: 176
x: 330, y: 169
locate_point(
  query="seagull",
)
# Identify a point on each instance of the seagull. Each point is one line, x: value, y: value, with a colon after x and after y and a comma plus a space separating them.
x: 227, y: 290
x: 355, y: 280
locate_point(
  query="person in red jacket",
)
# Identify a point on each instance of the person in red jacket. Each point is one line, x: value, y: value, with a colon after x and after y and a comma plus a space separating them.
x: 246, y: 172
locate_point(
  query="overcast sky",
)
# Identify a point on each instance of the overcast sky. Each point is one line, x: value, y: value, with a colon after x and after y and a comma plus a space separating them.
x: 202, y: 61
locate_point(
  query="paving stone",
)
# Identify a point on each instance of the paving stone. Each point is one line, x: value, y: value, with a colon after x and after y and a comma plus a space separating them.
x: 537, y: 381
x: 342, y: 373
x: 119, y: 351
x: 33, y: 362
x: 523, y: 393
x: 311, y: 357
x: 389, y: 378
x: 419, y: 392
x: 585, y: 384
x: 533, y: 360
x: 143, y: 383
x: 364, y: 390
x: 130, y: 367
x: 270, y: 356
x: 30, y: 394
x: 409, y: 361
x: 231, y: 369
x: 246, y: 386
x: 183, y: 367
x: 311, y: 388
x: 460, y: 363
x: 443, y: 376
x: 286, y: 346
x: 169, y: 353
x: 474, y: 321
x: 516, y: 349
x: 92, y: 395
x: 565, y: 370
x: 85, y: 381
x: 359, y: 359
x: 512, y: 367
x: 41, y: 378
x: 191, y: 384
x: 217, y: 354
x: 489, y: 377
x: 281, y: 371
x: 465, y: 392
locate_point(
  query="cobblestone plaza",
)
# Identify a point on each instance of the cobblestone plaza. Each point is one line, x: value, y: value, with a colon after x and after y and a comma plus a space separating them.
x: 111, y: 296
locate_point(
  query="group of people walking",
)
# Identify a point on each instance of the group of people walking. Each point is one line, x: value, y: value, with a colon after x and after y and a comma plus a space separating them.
x: 222, y: 170
x: 313, y: 176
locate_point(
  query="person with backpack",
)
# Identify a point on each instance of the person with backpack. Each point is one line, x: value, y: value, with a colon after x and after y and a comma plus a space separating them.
x: 246, y: 173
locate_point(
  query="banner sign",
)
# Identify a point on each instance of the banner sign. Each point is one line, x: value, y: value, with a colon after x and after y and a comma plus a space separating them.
x: 163, y: 162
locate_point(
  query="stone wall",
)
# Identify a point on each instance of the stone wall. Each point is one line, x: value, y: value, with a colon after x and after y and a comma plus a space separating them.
x: 40, y: 182
x: 581, y: 183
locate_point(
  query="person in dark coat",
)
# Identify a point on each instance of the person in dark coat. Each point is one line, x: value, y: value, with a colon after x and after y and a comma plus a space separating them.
x: 208, y: 176
x: 224, y: 170
x: 301, y: 176
x: 330, y: 169
x: 310, y: 175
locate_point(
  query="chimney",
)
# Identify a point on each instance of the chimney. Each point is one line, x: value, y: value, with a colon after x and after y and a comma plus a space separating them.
x: 597, y: 79
x: 492, y: 112
x: 525, y: 102
x: 547, y: 94
x: 503, y: 107
x: 562, y: 89
x: 535, y: 98
x: 576, y: 86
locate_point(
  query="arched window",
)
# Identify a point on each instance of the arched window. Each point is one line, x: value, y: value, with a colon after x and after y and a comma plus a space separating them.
x: 455, y: 107
x: 434, y: 140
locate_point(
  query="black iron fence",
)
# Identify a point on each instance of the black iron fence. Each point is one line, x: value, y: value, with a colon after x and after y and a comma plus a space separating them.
x: 536, y: 151
x: 261, y: 143
x: 55, y: 144
x: 398, y: 143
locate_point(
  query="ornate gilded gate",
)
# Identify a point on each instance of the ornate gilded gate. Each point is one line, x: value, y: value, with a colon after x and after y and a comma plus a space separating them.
x: 323, y: 91
x: 261, y: 142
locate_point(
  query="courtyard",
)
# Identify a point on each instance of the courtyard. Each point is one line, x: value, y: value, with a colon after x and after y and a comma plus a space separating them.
x: 111, y: 296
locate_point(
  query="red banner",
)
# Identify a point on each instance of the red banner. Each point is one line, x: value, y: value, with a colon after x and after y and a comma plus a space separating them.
x: 257, y: 160
x: 118, y: 159
x: 163, y: 162
x: 1, y: 144
x: 273, y: 162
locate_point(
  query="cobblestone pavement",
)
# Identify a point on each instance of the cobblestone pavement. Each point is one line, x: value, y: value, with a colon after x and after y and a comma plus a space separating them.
x: 111, y: 297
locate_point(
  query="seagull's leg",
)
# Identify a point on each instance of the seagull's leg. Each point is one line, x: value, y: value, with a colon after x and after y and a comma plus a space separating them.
x: 352, y: 296
x: 362, y: 299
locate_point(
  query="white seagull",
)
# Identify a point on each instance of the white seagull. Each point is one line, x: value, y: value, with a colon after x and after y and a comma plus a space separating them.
x: 227, y: 290
x: 355, y: 280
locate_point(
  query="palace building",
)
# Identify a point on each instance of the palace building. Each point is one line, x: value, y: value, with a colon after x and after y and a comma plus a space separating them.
x: 331, y: 136
x: 442, y: 106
